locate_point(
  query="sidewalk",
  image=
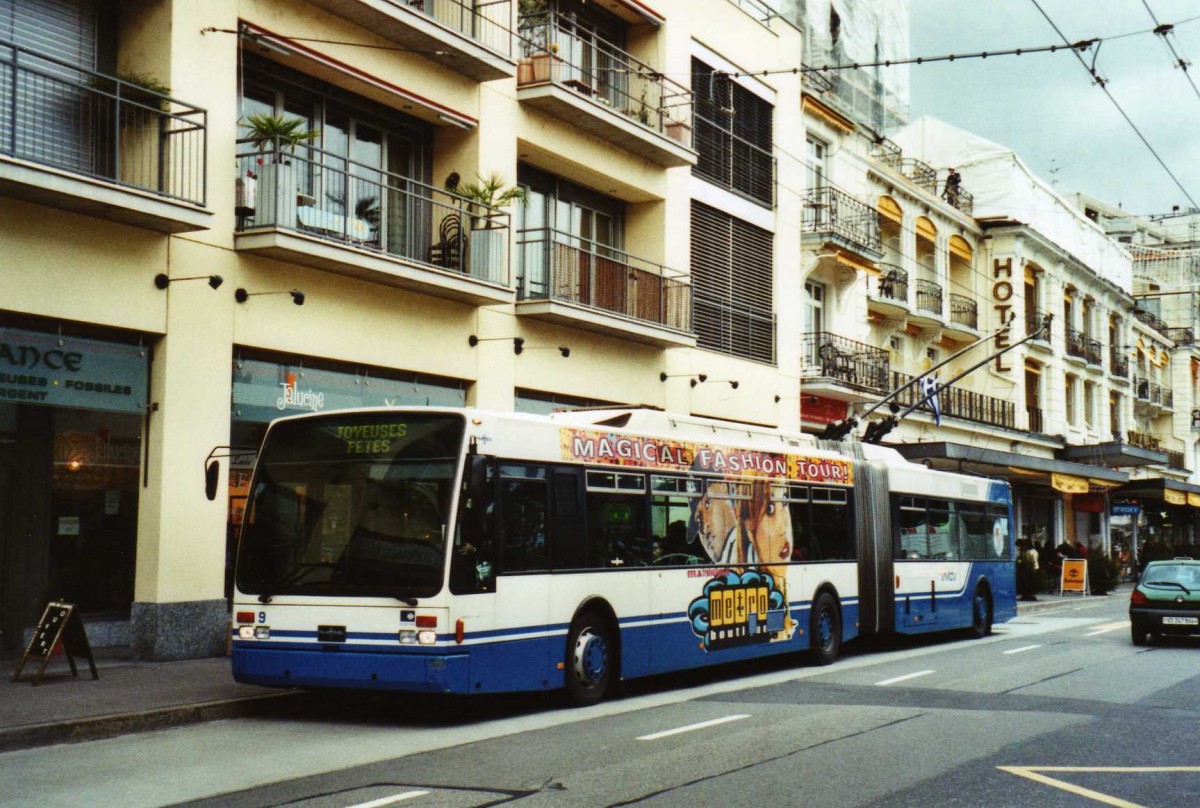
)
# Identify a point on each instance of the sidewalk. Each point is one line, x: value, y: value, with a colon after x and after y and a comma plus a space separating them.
x: 136, y: 696
x: 129, y: 696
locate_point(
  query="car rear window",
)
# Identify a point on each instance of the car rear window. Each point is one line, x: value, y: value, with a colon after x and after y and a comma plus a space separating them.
x: 1186, y: 574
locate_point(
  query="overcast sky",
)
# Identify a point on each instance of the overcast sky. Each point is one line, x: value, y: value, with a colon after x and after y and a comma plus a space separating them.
x: 1045, y: 107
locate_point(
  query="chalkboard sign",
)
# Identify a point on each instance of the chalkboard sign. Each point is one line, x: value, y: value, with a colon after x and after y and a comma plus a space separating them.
x: 59, y: 623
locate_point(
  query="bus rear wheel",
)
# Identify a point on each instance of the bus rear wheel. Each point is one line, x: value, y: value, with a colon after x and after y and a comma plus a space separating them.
x: 981, y: 612
x: 589, y: 659
x: 825, y: 629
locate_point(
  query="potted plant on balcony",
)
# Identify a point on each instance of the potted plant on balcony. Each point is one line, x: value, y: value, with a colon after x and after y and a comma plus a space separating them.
x: 536, y: 28
x: 276, y: 138
x: 487, y: 241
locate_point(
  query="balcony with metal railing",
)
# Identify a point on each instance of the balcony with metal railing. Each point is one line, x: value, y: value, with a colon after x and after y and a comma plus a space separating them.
x: 928, y: 299
x: 468, y: 37
x: 887, y: 294
x: 921, y: 174
x: 886, y: 152
x: 1035, y: 320
x: 1182, y: 337
x: 958, y: 198
x: 1152, y: 394
x: 1036, y: 420
x: 1081, y: 346
x: 958, y: 403
x: 1176, y: 460
x: 835, y: 218
x: 964, y: 317
x: 92, y: 143
x: 321, y: 210
x: 566, y: 279
x: 604, y: 91
x: 1151, y: 319
x: 1118, y: 363
x: 842, y: 368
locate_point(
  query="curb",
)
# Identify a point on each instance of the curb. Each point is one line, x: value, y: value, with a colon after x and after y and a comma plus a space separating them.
x: 75, y: 730
x: 1025, y: 607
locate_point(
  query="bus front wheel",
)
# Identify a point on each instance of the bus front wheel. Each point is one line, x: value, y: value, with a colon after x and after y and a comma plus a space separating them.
x: 981, y: 612
x: 589, y: 659
x: 825, y: 629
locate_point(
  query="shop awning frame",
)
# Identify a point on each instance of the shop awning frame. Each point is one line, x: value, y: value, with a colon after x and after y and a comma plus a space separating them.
x: 993, y: 462
x: 1115, y: 454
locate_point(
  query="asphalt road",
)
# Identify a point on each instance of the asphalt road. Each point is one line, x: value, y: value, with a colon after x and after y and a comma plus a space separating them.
x: 1055, y: 709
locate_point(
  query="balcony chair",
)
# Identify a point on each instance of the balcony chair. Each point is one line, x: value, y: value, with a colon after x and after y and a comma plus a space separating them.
x: 451, y: 250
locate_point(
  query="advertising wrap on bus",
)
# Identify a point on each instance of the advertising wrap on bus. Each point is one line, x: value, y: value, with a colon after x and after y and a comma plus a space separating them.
x: 465, y: 551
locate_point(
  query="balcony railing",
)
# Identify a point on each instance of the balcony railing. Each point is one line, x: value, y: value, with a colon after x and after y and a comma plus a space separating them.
x: 958, y: 198
x: 830, y: 211
x: 887, y: 153
x: 921, y: 174
x: 1036, y: 419
x: 552, y: 51
x: 328, y: 197
x: 1148, y: 391
x: 893, y: 283
x: 929, y: 296
x: 813, y: 81
x: 1034, y: 319
x: 964, y: 311
x: 55, y: 114
x: 958, y: 403
x: 1151, y: 319
x: 1181, y: 336
x: 734, y: 328
x: 830, y: 356
x: 1081, y: 345
x: 1118, y: 363
x: 487, y: 23
x: 552, y: 265
x: 1176, y: 460
x: 1168, y: 398
x: 1142, y: 440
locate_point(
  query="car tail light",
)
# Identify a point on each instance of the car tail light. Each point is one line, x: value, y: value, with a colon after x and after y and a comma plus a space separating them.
x: 427, y: 621
x: 1138, y: 598
x: 245, y: 617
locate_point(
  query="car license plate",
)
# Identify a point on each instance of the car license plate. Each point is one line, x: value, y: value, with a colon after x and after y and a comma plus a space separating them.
x: 1180, y: 621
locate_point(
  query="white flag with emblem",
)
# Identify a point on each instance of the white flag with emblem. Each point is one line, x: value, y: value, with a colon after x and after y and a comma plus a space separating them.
x: 929, y: 391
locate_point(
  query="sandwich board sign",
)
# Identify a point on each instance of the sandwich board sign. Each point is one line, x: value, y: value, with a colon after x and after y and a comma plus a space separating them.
x: 1074, y: 577
x: 60, y: 623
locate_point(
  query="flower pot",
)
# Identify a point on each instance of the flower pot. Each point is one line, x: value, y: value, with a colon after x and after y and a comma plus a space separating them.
x: 677, y: 130
x: 485, y: 254
x: 536, y: 69
x: 276, y: 196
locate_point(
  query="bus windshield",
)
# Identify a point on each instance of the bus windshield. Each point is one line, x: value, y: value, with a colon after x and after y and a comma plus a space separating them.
x: 353, y: 505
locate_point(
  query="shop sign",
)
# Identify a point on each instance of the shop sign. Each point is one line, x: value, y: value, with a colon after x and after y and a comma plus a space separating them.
x: 1068, y: 484
x: 1174, y: 497
x: 822, y: 410
x: 1074, y: 576
x: 60, y: 371
x: 263, y: 391
x: 1125, y: 509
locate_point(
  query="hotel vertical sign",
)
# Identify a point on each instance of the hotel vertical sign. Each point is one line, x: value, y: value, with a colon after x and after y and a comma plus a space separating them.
x: 1002, y: 295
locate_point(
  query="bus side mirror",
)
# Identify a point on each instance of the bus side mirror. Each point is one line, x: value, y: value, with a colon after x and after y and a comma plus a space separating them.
x: 212, y: 472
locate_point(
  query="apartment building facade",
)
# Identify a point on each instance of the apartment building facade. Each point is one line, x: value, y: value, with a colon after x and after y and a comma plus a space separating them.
x: 173, y: 278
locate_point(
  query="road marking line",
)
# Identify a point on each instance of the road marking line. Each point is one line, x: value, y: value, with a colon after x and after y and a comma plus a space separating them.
x: 407, y: 795
x: 1032, y: 773
x: 692, y: 727
x: 1022, y: 648
x: 903, y: 678
x: 1107, y: 628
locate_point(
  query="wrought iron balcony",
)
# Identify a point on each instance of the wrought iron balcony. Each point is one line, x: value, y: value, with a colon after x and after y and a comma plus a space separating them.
x: 1181, y: 336
x: 824, y: 355
x: 1151, y: 319
x: 1176, y: 460
x: 1150, y: 392
x: 1142, y: 440
x: 1036, y: 419
x: 1034, y: 319
x: 324, y: 197
x: 929, y: 296
x: 1084, y: 347
x: 1168, y: 398
x: 892, y: 283
x: 923, y: 175
x: 614, y: 82
x: 1118, y: 363
x: 553, y: 265
x: 964, y: 311
x: 92, y: 125
x: 886, y: 152
x: 842, y: 218
x: 958, y: 403
x: 813, y: 81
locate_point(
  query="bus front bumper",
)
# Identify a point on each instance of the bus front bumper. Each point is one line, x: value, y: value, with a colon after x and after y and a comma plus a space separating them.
x: 257, y: 664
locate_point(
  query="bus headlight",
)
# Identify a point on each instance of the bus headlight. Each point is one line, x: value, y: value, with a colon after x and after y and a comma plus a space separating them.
x: 246, y: 632
x: 407, y: 636
x: 427, y: 637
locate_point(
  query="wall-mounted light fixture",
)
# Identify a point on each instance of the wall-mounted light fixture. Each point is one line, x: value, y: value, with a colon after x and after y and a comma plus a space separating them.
x: 731, y: 382
x: 696, y: 378
x: 162, y: 280
x: 241, y: 295
x: 519, y: 345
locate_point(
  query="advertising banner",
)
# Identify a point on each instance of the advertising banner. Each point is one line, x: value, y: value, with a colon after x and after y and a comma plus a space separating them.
x: 53, y: 370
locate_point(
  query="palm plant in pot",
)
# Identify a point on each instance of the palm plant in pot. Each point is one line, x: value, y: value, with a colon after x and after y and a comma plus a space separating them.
x: 276, y: 138
x: 485, y: 196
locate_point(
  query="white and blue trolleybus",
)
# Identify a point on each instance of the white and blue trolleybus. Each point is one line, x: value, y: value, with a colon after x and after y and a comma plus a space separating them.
x: 463, y: 551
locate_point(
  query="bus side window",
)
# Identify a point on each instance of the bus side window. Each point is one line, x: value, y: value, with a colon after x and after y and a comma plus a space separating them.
x: 616, y: 520
x: 832, y: 527
x: 567, y: 534
x: 802, y: 534
x: 523, y: 495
